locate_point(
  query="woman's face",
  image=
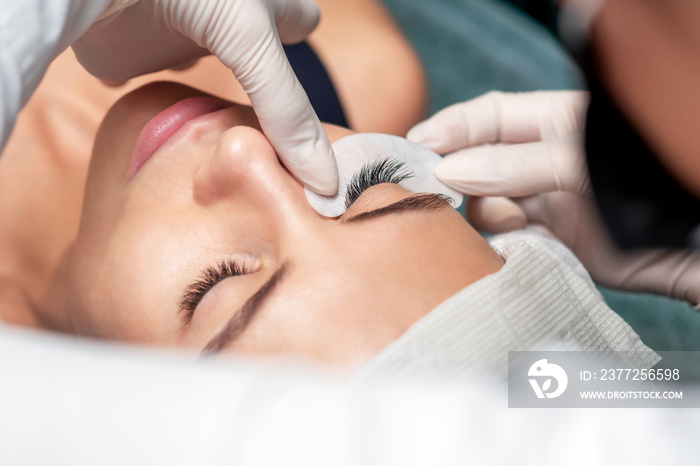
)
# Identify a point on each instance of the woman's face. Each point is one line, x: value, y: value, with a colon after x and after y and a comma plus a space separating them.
x: 211, y: 244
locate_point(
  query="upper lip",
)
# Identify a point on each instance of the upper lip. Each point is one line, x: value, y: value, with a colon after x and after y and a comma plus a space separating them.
x: 159, y: 129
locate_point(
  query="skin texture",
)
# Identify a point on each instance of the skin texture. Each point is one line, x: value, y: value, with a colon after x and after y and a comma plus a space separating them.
x: 96, y: 253
x: 43, y: 168
x: 349, y: 289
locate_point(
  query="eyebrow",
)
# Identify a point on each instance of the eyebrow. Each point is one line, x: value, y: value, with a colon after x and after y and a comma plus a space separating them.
x: 244, y: 314
x: 416, y: 203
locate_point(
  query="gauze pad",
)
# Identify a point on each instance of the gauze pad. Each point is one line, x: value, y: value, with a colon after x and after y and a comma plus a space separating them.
x: 353, y: 152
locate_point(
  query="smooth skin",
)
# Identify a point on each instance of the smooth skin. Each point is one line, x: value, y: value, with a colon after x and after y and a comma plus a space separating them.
x: 43, y: 168
x: 349, y: 288
x: 114, y: 260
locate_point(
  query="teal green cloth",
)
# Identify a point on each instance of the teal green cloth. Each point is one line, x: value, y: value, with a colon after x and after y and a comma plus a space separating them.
x: 662, y: 323
x: 473, y: 46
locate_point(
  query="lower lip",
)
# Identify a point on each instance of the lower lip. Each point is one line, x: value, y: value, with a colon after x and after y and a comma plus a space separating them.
x: 164, y: 125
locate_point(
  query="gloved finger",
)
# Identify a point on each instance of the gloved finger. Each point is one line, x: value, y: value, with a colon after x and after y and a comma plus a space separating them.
x: 670, y: 272
x: 136, y: 41
x: 244, y: 39
x: 495, y: 214
x: 518, y: 169
x: 573, y: 218
x: 557, y: 211
x: 503, y: 117
x: 575, y: 221
x: 295, y: 19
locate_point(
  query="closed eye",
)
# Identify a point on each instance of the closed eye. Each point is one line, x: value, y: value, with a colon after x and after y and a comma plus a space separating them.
x: 209, y: 278
x: 387, y: 170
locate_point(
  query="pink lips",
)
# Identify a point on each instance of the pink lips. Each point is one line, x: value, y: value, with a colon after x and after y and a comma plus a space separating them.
x: 165, y: 124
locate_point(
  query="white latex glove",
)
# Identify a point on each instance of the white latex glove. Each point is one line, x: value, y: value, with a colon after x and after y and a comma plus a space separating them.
x: 152, y: 35
x: 536, y: 177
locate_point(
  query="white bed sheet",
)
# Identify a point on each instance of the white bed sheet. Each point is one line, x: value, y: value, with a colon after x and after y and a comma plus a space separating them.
x: 70, y: 402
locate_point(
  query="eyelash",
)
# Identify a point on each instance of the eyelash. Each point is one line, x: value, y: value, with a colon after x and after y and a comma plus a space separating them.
x: 209, y: 279
x: 388, y: 170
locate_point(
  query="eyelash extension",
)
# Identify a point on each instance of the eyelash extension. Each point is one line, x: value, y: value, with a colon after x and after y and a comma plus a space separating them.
x: 387, y: 170
x: 209, y: 278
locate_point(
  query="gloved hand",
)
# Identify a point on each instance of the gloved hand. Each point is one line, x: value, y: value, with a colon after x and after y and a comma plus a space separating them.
x: 151, y: 35
x: 535, y: 176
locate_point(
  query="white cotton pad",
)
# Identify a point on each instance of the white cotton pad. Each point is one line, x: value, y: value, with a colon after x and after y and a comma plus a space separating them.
x: 353, y: 152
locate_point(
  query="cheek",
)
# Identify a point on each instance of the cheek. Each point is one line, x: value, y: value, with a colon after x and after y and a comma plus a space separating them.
x: 92, y: 304
x: 123, y: 284
x: 344, y: 309
x: 320, y: 324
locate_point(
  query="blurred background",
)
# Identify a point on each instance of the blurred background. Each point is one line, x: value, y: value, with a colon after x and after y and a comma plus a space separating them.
x: 470, y: 47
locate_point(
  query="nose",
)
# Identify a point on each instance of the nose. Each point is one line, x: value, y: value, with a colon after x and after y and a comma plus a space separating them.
x: 245, y: 166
